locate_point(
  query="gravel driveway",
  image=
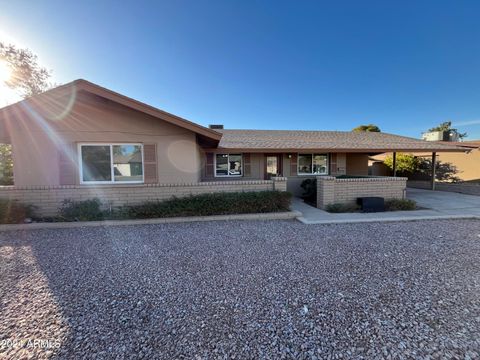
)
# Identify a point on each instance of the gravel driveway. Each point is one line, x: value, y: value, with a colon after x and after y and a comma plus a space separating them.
x: 253, y: 289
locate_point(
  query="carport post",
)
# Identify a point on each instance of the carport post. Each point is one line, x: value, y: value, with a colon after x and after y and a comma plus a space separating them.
x: 434, y: 165
x: 394, y: 164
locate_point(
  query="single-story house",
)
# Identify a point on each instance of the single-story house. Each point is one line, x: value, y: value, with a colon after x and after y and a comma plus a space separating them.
x: 80, y: 140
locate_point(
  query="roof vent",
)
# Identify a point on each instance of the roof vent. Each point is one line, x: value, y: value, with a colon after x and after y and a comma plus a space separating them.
x: 215, y: 126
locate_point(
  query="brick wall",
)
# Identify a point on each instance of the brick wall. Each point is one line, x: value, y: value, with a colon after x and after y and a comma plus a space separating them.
x: 471, y: 189
x: 279, y: 183
x: 47, y: 200
x: 331, y: 190
x: 419, y: 184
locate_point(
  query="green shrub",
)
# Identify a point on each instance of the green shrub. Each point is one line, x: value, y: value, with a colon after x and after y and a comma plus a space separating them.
x: 309, y: 187
x: 209, y: 204
x: 341, y: 208
x: 390, y: 205
x: 400, y: 204
x: 13, y: 212
x: 87, y: 210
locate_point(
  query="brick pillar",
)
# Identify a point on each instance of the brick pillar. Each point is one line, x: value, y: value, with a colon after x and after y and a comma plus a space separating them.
x: 279, y: 183
x: 325, y: 191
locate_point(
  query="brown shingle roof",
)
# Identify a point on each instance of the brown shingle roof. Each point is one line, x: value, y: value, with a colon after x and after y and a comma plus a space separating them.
x: 348, y: 141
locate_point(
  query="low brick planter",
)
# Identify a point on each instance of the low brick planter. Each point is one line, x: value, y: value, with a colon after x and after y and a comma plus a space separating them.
x: 331, y: 190
x: 47, y: 200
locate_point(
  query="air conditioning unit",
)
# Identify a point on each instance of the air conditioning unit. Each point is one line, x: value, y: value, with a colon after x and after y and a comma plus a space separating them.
x: 440, y: 136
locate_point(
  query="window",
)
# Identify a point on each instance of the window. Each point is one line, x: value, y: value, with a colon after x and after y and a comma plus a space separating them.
x: 111, y: 163
x: 312, y: 164
x: 228, y: 165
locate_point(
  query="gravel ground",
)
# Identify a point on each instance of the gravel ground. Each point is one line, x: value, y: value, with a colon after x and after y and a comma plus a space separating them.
x: 253, y: 289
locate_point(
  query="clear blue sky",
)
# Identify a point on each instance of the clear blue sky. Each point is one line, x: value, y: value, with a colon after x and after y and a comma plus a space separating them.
x: 327, y: 65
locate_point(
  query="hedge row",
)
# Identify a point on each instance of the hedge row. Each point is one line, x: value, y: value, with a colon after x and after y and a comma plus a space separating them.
x: 195, y: 205
x: 390, y: 205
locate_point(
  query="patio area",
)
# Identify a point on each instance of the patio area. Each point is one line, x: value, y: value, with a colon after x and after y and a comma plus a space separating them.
x: 435, y: 204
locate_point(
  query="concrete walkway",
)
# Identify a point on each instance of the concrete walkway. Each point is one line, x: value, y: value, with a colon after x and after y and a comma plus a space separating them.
x: 437, y: 204
x: 446, y: 202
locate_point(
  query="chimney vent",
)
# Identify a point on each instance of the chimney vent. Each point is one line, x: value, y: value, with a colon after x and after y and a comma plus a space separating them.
x: 215, y: 126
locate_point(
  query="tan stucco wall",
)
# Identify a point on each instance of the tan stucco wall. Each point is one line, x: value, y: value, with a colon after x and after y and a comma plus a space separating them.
x: 377, y: 168
x: 467, y: 164
x: 357, y: 164
x: 37, y: 140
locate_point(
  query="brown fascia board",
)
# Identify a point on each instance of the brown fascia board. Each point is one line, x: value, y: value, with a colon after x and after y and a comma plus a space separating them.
x: 469, y: 144
x: 331, y: 150
x: 84, y: 85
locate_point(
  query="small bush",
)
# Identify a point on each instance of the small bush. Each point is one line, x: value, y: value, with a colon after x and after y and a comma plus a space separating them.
x: 309, y: 187
x: 400, y: 204
x: 209, y: 204
x: 13, y: 212
x: 87, y: 210
x: 341, y: 208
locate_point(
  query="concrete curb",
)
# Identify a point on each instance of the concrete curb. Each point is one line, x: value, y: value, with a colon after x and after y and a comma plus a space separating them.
x: 63, y: 225
x: 391, y: 219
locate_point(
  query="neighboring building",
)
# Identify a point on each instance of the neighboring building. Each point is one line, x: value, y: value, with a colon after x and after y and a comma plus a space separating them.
x: 89, y: 139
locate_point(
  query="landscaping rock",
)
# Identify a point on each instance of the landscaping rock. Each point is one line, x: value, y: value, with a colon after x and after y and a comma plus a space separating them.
x: 251, y: 289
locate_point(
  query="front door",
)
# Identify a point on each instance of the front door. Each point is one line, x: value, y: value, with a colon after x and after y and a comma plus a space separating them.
x: 273, y: 166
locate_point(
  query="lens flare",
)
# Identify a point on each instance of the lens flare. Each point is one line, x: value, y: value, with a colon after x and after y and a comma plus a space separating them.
x: 7, y: 94
x: 5, y: 71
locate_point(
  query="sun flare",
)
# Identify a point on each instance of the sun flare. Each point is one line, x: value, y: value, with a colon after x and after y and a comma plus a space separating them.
x: 7, y: 95
x: 5, y: 71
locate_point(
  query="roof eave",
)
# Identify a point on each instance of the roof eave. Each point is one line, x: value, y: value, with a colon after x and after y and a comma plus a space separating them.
x: 338, y: 150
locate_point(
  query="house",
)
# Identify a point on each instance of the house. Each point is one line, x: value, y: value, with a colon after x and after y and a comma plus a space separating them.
x: 81, y: 140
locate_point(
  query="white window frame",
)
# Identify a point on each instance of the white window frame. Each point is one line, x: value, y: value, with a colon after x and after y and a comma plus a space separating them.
x: 228, y: 162
x: 80, y: 162
x: 312, y: 173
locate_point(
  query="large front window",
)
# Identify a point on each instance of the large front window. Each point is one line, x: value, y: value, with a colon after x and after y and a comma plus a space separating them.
x: 111, y: 163
x: 228, y: 165
x: 312, y: 164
